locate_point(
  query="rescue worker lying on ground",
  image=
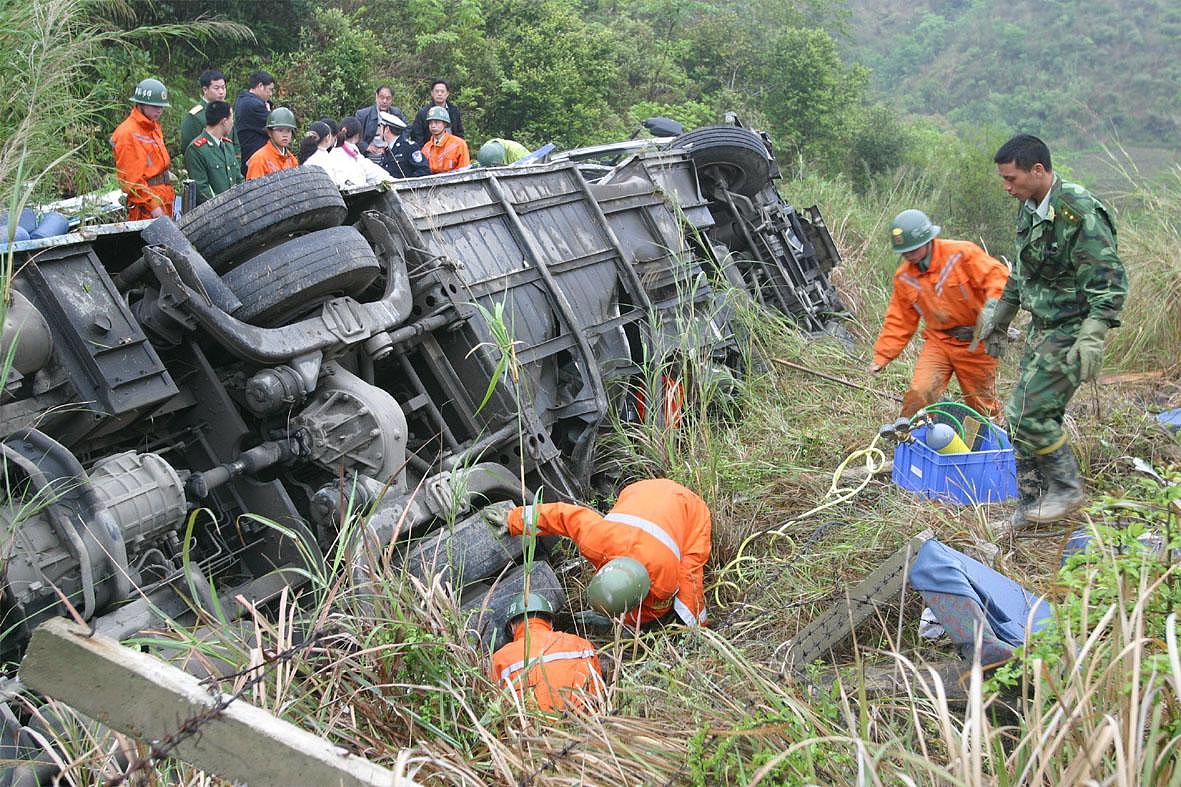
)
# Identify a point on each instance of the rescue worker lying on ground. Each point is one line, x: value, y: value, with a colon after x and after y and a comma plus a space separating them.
x: 649, y: 550
x: 945, y: 283
x: 554, y: 670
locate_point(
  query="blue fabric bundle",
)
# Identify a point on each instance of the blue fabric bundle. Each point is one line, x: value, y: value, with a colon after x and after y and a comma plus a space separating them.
x: 1006, y: 604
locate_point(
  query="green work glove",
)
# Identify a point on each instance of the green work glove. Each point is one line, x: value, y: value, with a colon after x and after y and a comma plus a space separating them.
x: 1087, y: 351
x: 496, y: 515
x: 993, y: 323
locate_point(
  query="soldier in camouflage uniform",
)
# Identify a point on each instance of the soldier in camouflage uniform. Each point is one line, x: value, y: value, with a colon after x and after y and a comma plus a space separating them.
x: 1070, y: 279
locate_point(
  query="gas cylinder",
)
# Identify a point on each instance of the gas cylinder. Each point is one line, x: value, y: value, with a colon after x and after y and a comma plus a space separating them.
x: 942, y: 438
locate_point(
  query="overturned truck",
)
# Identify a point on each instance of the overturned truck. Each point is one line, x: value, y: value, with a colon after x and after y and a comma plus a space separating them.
x: 212, y: 398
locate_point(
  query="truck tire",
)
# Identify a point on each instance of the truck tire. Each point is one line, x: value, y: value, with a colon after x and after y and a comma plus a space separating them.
x: 460, y: 555
x: 734, y: 155
x: 485, y: 605
x: 301, y: 273
x: 250, y: 217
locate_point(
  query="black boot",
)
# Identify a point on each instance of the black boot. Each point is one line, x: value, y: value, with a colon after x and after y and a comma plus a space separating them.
x: 1064, y: 487
x: 1029, y: 488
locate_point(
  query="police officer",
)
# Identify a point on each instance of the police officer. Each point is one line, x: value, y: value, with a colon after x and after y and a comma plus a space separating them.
x: 212, y: 158
x: 402, y: 157
x: 141, y: 160
x: 1068, y: 275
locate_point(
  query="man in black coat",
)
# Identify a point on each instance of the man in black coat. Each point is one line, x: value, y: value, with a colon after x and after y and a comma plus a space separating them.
x: 250, y: 113
x: 440, y: 90
x: 369, y: 118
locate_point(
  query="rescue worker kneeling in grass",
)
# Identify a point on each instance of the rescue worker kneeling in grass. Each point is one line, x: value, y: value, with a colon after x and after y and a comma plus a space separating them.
x: 552, y: 669
x: 945, y: 283
x: 649, y: 550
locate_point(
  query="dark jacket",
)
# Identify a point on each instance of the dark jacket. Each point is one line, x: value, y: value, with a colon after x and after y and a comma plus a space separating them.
x: 250, y: 122
x: 419, y: 132
x: 368, y: 117
x: 402, y: 158
x: 369, y: 130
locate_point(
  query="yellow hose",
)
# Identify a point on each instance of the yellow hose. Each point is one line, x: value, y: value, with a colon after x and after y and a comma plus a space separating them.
x: 875, y: 460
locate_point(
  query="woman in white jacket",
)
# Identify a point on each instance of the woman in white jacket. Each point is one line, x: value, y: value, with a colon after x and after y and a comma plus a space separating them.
x: 315, y: 147
x: 351, y: 166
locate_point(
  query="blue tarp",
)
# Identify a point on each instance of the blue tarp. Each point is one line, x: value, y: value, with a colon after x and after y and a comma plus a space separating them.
x: 1007, y: 605
x: 1170, y: 419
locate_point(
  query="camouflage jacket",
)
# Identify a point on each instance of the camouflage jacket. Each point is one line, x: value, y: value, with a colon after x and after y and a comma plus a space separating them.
x: 1067, y: 267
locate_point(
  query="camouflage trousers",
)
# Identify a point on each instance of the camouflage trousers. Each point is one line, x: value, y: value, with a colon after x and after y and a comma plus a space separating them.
x: 1044, y: 387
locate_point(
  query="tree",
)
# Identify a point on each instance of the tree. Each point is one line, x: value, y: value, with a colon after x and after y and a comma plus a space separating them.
x: 558, y: 72
x: 331, y: 70
x: 811, y: 96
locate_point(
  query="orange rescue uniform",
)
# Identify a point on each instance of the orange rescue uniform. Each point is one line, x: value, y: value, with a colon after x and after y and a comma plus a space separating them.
x: 268, y: 160
x: 555, y: 672
x: 659, y: 523
x: 449, y: 153
x: 947, y: 295
x: 141, y: 164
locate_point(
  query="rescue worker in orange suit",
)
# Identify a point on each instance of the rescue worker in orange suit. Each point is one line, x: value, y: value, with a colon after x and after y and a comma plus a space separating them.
x: 444, y: 150
x: 141, y: 160
x: 552, y: 670
x: 275, y: 155
x: 649, y: 550
x: 945, y: 283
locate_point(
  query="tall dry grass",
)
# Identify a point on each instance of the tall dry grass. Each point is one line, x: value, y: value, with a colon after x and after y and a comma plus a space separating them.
x: 1098, y: 703
x: 1149, y: 238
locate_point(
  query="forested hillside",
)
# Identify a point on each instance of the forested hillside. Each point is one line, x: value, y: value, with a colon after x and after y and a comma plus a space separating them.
x: 541, y: 70
x: 1073, y: 70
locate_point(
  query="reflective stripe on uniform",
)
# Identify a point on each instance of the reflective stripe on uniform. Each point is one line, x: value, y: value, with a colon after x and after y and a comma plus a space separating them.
x: 529, y: 519
x: 649, y: 527
x: 686, y: 615
x: 948, y: 266
x: 911, y: 280
x: 507, y: 673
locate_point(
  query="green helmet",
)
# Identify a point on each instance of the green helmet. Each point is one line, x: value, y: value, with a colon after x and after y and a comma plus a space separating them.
x: 281, y: 117
x: 438, y: 113
x: 620, y: 585
x: 491, y: 154
x: 151, y: 92
x: 910, y: 230
x: 533, y: 604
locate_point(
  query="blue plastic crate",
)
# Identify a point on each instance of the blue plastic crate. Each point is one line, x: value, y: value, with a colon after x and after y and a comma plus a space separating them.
x: 986, y: 475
